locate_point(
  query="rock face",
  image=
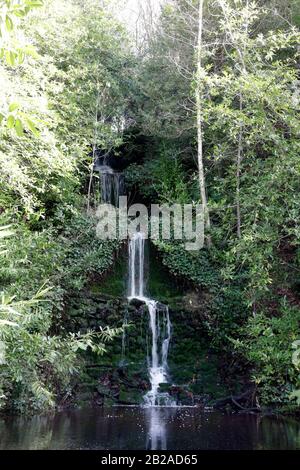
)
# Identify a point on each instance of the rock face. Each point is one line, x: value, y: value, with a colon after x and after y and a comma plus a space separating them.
x: 137, y: 303
x: 121, y: 376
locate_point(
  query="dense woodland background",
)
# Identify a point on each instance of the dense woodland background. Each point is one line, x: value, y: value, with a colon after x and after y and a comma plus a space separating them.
x: 204, y: 107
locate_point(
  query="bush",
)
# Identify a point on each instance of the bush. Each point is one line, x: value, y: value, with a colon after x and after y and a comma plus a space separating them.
x: 37, y: 365
x: 267, y: 343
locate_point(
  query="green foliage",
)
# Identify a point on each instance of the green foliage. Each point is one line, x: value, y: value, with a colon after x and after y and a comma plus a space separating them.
x: 66, y: 259
x: 38, y: 366
x: 296, y: 362
x: 195, y: 267
x: 250, y: 99
x: 267, y: 342
x: 260, y: 70
x: 161, y: 178
x: 59, y: 104
x: 59, y: 96
x: 69, y: 82
x: 13, y: 51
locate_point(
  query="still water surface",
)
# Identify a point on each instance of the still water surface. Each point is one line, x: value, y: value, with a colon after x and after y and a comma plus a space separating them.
x: 148, y: 428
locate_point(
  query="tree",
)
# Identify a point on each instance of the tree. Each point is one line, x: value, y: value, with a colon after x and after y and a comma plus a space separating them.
x: 44, y: 167
x: 199, y: 99
x: 172, y: 108
x: 14, y: 52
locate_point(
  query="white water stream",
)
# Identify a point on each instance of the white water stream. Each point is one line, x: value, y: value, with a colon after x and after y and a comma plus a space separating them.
x: 159, y: 323
x: 112, y: 186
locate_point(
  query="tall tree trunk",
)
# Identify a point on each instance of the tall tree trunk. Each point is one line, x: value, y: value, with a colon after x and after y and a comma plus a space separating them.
x: 238, y: 172
x: 94, y: 153
x: 241, y: 50
x: 199, y: 125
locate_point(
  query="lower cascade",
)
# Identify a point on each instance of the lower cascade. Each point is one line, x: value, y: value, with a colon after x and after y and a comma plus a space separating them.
x: 159, y: 324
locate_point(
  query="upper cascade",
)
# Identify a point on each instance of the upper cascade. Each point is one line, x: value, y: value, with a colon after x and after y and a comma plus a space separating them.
x: 112, y: 184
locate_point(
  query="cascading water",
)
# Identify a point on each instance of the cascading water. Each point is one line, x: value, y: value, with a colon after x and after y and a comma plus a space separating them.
x: 112, y: 185
x: 159, y: 323
x: 157, y: 436
x: 137, y: 266
x: 160, y: 326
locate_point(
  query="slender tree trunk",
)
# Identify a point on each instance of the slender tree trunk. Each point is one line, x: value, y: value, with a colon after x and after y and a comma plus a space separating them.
x: 241, y: 50
x: 199, y: 125
x: 238, y: 172
x: 240, y: 141
x: 94, y: 155
x: 91, y: 181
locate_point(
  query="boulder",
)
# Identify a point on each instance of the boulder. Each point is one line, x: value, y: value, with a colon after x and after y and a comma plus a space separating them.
x: 137, y: 303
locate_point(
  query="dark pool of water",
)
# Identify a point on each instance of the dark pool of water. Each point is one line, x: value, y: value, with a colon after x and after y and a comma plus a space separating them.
x: 153, y: 428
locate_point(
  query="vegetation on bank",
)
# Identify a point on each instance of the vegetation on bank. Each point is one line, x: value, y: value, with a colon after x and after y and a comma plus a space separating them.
x: 70, y: 82
x: 49, y: 99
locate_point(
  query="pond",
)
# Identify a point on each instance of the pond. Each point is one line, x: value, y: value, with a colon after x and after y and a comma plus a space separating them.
x: 134, y: 428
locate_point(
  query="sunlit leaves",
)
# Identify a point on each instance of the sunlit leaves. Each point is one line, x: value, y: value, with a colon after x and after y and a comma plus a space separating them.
x: 12, y: 13
x: 296, y: 354
x: 7, y: 323
x: 32, y: 126
x: 11, y: 57
x: 5, y: 232
x: 295, y: 395
x: 19, y: 127
x: 15, y: 55
x: 29, y: 348
x: 95, y: 340
x: 13, y: 107
x: 10, y: 121
x: 242, y: 57
x: 17, y: 120
x: 9, y: 23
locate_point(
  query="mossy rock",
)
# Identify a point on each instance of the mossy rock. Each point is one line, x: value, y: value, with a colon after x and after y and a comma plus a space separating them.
x: 104, y: 390
x: 164, y: 388
x: 130, y: 396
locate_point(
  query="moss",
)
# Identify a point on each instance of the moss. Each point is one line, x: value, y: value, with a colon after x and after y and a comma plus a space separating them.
x: 114, y: 283
x: 129, y: 396
x: 161, y: 284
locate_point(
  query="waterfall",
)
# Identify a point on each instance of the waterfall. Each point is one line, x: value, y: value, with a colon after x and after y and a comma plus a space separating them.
x: 159, y: 324
x: 137, y: 266
x: 160, y: 327
x: 112, y: 185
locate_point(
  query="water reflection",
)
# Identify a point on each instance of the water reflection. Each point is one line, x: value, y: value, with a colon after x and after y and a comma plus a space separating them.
x: 156, y: 419
x: 150, y: 429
